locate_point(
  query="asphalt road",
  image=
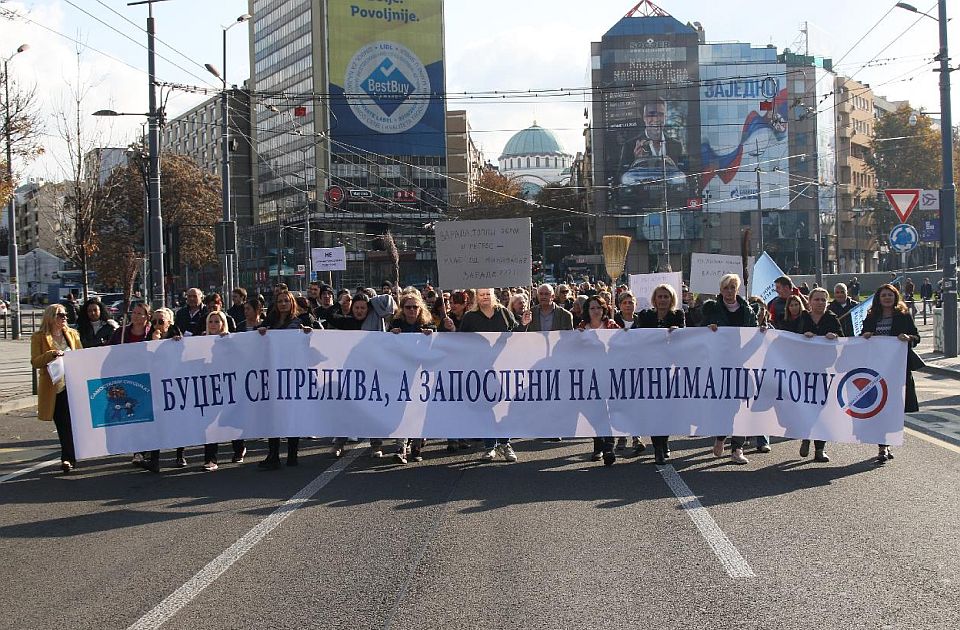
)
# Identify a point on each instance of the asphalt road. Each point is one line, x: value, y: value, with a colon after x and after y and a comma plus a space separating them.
x: 553, y: 541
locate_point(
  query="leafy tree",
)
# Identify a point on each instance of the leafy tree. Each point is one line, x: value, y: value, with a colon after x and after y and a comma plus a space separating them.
x: 190, y: 201
x: 494, y: 190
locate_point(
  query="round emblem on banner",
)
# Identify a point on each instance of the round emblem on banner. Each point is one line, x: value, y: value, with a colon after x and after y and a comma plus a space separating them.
x: 862, y: 393
x: 387, y: 87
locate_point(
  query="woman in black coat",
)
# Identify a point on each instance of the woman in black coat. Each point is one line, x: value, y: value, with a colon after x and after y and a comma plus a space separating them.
x: 283, y: 316
x: 729, y: 309
x: 818, y: 322
x: 888, y: 315
x: 664, y: 314
x: 94, y: 324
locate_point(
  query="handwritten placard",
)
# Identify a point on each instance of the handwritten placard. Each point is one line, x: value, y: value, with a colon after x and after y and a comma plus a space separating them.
x: 707, y: 269
x: 329, y: 258
x: 487, y: 253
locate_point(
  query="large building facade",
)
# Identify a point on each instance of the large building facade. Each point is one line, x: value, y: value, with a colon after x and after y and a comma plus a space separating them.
x: 198, y: 134
x: 349, y: 102
x: 720, y: 148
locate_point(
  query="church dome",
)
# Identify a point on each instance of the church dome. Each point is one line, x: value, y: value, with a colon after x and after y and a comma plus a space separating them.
x: 533, y: 140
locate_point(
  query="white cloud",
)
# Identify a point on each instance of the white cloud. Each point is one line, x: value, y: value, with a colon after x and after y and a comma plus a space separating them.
x: 51, y: 65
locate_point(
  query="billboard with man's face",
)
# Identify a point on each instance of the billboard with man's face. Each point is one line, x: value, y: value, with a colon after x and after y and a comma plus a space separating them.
x: 649, y: 120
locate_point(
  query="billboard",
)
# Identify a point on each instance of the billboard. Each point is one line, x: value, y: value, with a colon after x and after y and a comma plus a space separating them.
x: 743, y: 117
x: 386, y: 73
x: 649, y: 118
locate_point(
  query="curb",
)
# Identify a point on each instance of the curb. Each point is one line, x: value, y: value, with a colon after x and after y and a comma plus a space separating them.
x: 18, y: 404
x: 941, y: 371
x: 922, y: 428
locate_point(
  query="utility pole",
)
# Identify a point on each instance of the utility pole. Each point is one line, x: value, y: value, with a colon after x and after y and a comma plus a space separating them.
x: 948, y: 195
x: 157, y: 284
x: 759, y: 210
x: 663, y: 264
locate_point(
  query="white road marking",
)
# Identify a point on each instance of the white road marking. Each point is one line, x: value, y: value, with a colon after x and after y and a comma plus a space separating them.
x: 728, y: 555
x: 219, y: 565
x: 929, y: 438
x: 29, y: 469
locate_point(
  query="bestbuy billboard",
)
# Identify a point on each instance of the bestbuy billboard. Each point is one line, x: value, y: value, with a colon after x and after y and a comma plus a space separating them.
x: 387, y: 77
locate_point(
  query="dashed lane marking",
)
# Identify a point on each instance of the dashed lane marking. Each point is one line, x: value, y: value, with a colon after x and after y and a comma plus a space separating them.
x: 726, y: 552
x: 29, y: 469
x: 174, y: 602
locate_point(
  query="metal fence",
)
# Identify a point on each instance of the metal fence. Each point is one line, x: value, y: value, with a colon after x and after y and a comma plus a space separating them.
x: 29, y: 323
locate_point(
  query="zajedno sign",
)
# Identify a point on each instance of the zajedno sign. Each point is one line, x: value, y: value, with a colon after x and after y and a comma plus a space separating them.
x: 642, y: 382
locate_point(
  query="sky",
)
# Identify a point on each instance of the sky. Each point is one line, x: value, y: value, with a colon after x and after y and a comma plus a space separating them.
x: 490, y: 45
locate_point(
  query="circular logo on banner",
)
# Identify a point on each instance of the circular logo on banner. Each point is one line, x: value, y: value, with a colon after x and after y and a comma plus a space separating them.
x: 387, y: 87
x: 862, y: 393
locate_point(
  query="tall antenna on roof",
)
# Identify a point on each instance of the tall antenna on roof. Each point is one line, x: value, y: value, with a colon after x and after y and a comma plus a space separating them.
x: 646, y: 8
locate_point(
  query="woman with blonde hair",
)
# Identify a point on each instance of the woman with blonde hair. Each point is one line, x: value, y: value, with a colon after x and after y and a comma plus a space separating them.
x: 48, y: 344
x: 663, y: 314
x: 488, y: 315
x: 729, y: 309
x: 217, y: 324
x: 414, y: 317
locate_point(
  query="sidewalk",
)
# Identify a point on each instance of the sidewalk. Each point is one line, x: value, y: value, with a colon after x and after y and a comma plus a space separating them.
x: 936, y: 362
x: 16, y: 374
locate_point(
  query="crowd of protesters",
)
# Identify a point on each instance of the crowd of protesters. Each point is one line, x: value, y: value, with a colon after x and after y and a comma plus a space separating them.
x: 561, y: 307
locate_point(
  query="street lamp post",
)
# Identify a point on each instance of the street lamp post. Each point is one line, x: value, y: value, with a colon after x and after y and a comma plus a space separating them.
x: 230, y: 248
x: 14, y: 260
x: 948, y: 209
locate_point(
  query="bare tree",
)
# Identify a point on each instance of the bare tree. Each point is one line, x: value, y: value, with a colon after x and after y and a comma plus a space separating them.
x: 77, y: 216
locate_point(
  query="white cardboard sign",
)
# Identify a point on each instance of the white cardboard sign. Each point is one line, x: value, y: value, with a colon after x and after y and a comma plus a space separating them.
x: 485, y: 253
x: 329, y: 258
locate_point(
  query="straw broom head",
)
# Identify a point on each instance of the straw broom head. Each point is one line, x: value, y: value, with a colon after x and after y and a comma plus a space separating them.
x: 615, y: 248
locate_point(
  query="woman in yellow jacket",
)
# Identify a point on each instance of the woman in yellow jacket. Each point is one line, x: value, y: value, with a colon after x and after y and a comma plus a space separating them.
x: 46, y: 345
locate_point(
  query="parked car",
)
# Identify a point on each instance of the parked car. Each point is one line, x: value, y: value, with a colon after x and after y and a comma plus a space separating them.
x: 115, y: 308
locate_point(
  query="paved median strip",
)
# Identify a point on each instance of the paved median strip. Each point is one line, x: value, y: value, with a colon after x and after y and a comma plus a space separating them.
x: 730, y: 558
x: 219, y: 565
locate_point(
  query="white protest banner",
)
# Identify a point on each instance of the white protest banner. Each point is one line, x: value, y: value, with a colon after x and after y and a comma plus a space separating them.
x: 736, y: 381
x: 859, y: 313
x: 329, y: 258
x: 487, y: 253
x: 707, y: 269
x: 765, y: 272
x: 643, y: 284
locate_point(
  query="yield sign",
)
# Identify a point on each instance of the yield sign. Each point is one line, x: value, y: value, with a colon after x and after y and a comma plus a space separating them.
x: 903, y: 200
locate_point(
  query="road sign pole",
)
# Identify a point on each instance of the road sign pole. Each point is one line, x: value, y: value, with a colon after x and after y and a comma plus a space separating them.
x: 903, y: 274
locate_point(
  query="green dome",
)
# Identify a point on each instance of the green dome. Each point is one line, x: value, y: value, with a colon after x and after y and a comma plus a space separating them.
x: 534, y: 140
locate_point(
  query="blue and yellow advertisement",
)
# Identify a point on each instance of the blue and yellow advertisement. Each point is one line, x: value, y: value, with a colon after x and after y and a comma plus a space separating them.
x: 387, y: 76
